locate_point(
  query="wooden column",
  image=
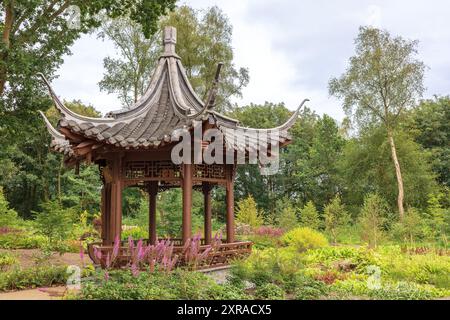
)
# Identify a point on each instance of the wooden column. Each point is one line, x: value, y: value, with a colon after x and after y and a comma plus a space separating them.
x: 230, y: 203
x: 112, y: 202
x: 187, y: 201
x: 207, y: 211
x: 106, y: 214
x: 152, y: 192
x: 116, y: 210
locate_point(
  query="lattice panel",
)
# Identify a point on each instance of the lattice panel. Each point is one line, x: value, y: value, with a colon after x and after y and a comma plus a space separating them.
x: 151, y: 169
x: 210, y: 171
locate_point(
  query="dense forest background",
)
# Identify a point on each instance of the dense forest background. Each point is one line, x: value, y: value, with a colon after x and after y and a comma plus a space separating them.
x: 329, y: 166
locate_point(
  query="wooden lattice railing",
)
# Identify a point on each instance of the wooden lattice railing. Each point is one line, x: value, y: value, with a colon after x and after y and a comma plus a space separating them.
x: 220, y: 255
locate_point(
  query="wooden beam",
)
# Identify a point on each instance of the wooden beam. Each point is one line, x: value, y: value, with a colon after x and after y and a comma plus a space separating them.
x: 71, y: 136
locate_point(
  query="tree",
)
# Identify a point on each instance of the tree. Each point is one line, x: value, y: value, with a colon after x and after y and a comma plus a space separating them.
x: 384, y: 80
x: 54, y: 222
x: 309, y: 216
x: 372, y: 219
x: 318, y: 168
x: 248, y: 213
x: 366, y: 167
x: 336, y: 217
x: 431, y: 123
x: 437, y: 217
x: 129, y: 75
x: 8, y: 217
x: 287, y: 219
x: 204, y: 40
x: 36, y: 34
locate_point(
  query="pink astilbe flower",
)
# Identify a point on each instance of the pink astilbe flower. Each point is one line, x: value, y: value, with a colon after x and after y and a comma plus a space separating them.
x: 106, y: 275
x: 116, y: 248
x: 108, y: 261
x: 134, y: 270
x: 98, y: 253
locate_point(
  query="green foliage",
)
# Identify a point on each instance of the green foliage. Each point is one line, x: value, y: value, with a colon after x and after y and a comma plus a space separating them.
x: 287, y: 219
x: 411, y: 228
x: 248, y: 213
x: 372, y: 219
x: 330, y: 256
x: 135, y: 232
x: 204, y: 40
x: 269, y: 291
x: 309, y: 216
x: 19, y: 279
x: 54, y: 222
x: 189, y: 285
x: 7, y: 260
x: 8, y: 217
x: 431, y: 125
x: 336, y: 217
x: 382, y: 80
x: 388, y: 291
x: 22, y: 240
x: 303, y: 239
x: 366, y: 167
x: 437, y: 218
x: 428, y: 269
x: 307, y: 288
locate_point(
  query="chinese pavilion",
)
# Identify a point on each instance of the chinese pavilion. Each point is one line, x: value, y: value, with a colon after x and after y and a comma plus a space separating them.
x: 132, y: 147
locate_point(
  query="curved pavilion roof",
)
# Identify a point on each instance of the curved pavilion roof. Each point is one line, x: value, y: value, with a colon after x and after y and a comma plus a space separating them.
x: 168, y: 105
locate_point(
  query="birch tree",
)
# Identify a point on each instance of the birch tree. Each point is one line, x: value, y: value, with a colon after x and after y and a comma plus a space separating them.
x: 383, y: 80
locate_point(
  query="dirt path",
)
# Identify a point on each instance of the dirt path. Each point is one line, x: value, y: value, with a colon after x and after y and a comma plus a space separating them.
x: 54, y: 293
x: 32, y: 257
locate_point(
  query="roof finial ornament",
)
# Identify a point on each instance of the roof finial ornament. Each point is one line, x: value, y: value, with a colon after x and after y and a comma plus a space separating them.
x: 169, y: 40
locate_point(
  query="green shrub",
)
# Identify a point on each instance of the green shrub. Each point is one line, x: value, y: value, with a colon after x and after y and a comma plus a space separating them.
x: 329, y: 257
x: 304, y: 239
x: 403, y: 291
x: 410, y: 228
x: 180, y: 284
x: 307, y: 288
x: 309, y: 216
x: 21, y: 240
x: 18, y: 279
x: 8, y: 217
x: 372, y: 219
x: 269, y: 291
x: 336, y: 217
x: 7, y: 260
x: 427, y: 268
x: 54, y: 222
x: 135, y: 233
x: 388, y: 290
x: 248, y: 213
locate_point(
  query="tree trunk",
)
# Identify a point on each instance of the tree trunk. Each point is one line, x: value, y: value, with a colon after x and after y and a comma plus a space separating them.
x: 9, y: 18
x: 398, y: 173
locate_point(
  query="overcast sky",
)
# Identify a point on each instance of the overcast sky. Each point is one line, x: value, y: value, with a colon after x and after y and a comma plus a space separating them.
x: 292, y: 48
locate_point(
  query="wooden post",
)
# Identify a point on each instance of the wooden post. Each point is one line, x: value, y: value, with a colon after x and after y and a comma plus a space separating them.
x: 152, y: 192
x: 207, y: 212
x: 230, y: 204
x: 115, y: 202
x: 106, y: 214
x: 187, y: 201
